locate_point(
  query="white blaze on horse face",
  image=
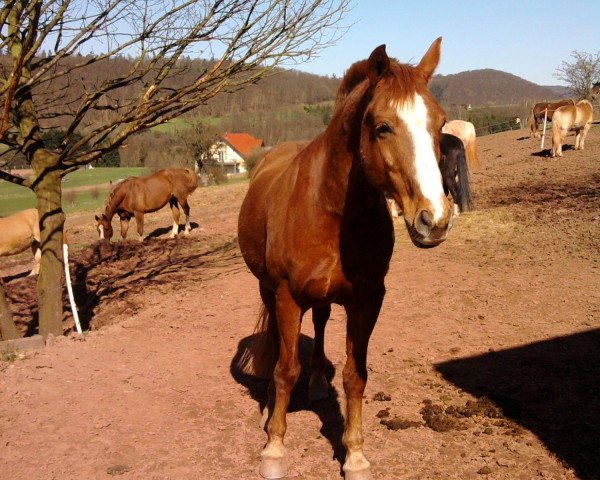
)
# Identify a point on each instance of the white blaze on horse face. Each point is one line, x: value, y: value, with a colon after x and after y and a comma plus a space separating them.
x: 414, y: 114
x: 101, y: 231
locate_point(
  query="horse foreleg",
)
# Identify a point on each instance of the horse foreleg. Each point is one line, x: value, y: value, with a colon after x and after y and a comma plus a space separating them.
x: 362, y: 315
x: 287, y: 370
x: 318, y: 388
x: 175, y: 211
x: 124, y: 227
x: 139, y: 223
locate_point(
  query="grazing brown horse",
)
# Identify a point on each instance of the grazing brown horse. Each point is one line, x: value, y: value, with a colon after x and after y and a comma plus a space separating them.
x: 577, y: 118
x: 21, y: 231
x: 315, y: 230
x: 466, y: 132
x: 135, y: 196
x: 538, y: 112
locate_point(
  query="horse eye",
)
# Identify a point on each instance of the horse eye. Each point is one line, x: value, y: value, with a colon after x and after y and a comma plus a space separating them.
x: 383, y: 128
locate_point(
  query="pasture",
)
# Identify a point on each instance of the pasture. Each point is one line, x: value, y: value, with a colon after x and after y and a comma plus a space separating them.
x: 82, y: 190
x: 483, y: 364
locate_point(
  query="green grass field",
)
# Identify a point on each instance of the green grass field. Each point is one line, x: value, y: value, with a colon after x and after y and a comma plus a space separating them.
x: 14, y: 197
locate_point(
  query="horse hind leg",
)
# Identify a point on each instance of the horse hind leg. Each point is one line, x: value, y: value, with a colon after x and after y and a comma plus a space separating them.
x: 175, y: 211
x: 186, y: 211
x: 37, y: 257
x: 318, y: 387
x: 285, y: 376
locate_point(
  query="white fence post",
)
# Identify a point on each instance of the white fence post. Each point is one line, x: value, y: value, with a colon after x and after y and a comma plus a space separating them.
x: 544, y: 134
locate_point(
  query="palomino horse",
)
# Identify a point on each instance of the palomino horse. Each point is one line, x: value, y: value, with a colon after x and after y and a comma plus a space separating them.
x: 315, y: 230
x: 21, y: 231
x: 135, y: 196
x: 577, y: 118
x: 538, y: 112
x: 455, y: 172
x: 466, y: 132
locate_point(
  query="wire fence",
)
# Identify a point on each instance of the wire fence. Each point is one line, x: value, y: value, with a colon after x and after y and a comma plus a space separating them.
x: 518, y: 123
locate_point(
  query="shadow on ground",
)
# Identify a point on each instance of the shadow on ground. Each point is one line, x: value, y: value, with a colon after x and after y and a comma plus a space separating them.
x: 551, y: 388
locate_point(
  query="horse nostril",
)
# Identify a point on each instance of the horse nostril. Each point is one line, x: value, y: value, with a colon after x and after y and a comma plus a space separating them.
x: 424, y: 222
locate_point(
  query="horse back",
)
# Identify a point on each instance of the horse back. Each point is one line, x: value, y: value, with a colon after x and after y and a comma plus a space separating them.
x: 19, y: 231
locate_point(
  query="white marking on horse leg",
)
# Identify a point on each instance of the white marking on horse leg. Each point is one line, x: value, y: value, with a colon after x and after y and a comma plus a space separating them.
x: 187, y: 224
x: 429, y: 178
x: 175, y: 229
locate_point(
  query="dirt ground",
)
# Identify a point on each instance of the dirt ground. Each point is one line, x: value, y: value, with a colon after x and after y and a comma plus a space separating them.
x: 484, y: 362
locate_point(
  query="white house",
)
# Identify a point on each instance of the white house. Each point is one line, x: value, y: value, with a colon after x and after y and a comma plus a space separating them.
x: 232, y: 149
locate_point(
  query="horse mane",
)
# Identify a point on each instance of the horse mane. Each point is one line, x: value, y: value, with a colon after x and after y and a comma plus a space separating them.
x: 115, y: 189
x: 402, y: 73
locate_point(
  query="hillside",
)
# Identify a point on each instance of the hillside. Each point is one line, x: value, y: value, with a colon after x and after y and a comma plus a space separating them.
x: 490, y: 87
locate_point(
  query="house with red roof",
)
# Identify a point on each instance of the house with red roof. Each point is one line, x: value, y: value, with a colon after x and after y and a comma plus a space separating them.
x: 232, y: 150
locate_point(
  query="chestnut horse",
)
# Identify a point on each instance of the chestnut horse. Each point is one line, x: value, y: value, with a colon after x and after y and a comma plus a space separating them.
x: 595, y: 90
x: 135, y: 196
x: 466, y: 132
x: 538, y: 112
x: 577, y: 118
x: 455, y: 172
x: 315, y: 230
x: 21, y: 231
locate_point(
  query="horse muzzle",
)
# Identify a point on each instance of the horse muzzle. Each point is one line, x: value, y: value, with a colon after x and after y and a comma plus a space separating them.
x: 425, y: 232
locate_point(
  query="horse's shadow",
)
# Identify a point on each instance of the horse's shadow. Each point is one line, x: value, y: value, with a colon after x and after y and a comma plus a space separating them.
x: 160, y: 231
x: 328, y: 411
x: 549, y: 387
x: 546, y: 153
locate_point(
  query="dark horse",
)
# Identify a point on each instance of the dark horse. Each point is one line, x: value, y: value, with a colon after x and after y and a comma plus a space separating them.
x: 135, y: 196
x: 538, y: 112
x: 455, y: 172
x: 315, y: 230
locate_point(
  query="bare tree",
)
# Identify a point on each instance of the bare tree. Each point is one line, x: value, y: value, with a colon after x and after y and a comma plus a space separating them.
x: 52, y: 44
x: 581, y: 73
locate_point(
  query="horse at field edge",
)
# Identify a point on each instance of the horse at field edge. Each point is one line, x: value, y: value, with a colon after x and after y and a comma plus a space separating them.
x: 466, y: 132
x: 455, y: 172
x: 135, y: 196
x: 21, y: 231
x: 577, y: 118
x: 315, y: 230
x: 538, y: 112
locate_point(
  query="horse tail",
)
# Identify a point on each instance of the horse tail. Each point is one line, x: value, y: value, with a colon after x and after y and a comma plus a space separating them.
x: 190, y: 179
x: 261, y: 357
x: 532, y: 123
x: 465, y: 200
x: 471, y: 151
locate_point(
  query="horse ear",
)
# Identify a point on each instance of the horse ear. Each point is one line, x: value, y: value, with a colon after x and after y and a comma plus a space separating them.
x: 97, y: 218
x: 430, y: 60
x: 378, y: 64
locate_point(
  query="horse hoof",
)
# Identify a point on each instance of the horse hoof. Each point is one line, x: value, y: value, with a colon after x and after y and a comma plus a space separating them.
x: 360, y: 475
x: 273, y: 467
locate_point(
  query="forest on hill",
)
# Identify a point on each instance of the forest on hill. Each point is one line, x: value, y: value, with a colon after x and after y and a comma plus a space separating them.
x: 490, y: 87
x: 287, y: 105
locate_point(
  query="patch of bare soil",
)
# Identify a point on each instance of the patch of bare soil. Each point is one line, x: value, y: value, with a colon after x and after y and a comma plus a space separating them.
x: 486, y: 353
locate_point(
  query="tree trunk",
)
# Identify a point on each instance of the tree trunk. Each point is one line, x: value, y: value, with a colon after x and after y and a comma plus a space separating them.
x: 8, y: 330
x: 48, y: 190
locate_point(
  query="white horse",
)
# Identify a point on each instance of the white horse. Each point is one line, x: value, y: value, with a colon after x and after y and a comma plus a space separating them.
x: 577, y: 118
x: 21, y: 231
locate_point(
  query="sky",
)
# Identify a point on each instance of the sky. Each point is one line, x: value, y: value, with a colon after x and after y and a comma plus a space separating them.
x: 527, y: 38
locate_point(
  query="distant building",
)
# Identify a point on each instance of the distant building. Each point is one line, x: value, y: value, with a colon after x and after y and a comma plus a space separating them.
x: 232, y: 150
